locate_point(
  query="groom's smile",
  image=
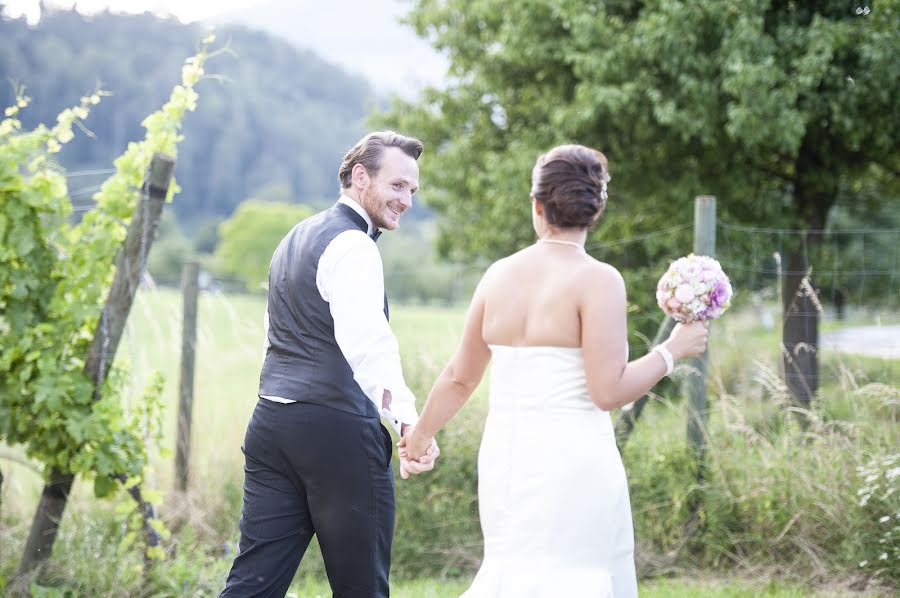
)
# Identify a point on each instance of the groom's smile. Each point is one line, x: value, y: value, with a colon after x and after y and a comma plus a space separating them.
x: 390, y: 192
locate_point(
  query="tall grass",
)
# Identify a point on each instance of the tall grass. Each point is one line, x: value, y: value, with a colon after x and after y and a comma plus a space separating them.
x: 777, y: 498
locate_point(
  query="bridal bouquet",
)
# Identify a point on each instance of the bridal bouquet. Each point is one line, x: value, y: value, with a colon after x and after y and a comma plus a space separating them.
x: 694, y: 288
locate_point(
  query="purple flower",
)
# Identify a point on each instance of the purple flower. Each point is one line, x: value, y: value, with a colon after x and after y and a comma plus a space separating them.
x: 720, y: 294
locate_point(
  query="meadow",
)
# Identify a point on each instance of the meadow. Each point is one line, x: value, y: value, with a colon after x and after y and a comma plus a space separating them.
x: 780, y: 510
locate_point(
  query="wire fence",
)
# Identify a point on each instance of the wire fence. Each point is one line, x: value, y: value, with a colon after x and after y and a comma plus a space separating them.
x: 855, y: 267
x: 846, y: 268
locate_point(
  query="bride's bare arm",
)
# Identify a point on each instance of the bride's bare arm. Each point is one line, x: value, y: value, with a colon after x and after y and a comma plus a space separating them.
x: 612, y: 380
x: 455, y: 384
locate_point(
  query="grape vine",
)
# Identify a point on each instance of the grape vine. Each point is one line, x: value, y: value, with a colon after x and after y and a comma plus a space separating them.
x: 54, y: 280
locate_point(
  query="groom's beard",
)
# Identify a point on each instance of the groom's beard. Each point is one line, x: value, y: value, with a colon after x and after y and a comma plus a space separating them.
x: 375, y: 206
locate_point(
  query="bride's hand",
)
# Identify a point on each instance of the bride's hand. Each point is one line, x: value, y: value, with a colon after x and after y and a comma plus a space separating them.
x: 417, y: 454
x: 415, y: 446
x: 688, y: 340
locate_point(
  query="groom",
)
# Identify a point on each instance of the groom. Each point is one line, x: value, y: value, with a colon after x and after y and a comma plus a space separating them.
x: 317, y: 458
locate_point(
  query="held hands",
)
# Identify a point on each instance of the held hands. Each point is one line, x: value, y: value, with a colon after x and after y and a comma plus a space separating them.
x: 417, y: 454
x: 688, y: 340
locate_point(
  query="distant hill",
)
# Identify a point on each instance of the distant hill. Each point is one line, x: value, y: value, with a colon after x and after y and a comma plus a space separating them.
x: 281, y: 118
x: 365, y: 37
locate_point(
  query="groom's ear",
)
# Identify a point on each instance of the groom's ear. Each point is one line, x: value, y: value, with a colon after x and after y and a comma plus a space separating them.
x: 359, y: 176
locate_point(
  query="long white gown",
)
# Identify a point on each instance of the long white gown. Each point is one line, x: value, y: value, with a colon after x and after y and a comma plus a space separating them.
x: 552, y: 492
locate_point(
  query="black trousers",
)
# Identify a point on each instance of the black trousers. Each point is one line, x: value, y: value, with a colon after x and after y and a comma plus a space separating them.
x: 314, y: 470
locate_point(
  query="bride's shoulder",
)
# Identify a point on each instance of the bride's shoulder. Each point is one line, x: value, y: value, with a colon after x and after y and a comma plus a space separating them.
x: 601, y: 269
x: 504, y: 263
x: 502, y: 271
x: 497, y: 271
x: 602, y: 274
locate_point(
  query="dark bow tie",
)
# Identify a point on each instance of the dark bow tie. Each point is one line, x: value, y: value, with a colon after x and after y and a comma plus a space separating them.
x: 375, y: 234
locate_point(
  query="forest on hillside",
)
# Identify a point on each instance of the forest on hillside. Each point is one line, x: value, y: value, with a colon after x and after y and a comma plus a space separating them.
x: 272, y: 120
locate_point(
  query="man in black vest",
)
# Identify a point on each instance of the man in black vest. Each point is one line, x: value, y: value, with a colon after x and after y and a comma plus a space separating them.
x: 317, y: 458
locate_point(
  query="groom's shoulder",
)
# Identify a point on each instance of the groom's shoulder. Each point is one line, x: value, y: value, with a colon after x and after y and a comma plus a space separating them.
x: 329, y: 223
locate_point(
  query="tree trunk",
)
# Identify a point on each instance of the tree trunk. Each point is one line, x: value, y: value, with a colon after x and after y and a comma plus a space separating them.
x: 839, y: 305
x: 815, y: 191
x: 45, y: 524
x: 800, y: 332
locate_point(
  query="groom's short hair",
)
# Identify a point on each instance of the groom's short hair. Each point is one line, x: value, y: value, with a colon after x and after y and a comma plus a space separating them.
x: 369, y: 151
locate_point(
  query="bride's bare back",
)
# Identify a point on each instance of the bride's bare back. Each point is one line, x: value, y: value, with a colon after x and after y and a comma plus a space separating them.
x: 534, y: 297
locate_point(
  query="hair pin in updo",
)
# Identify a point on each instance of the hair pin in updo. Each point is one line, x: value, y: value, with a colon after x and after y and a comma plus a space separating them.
x: 606, y: 178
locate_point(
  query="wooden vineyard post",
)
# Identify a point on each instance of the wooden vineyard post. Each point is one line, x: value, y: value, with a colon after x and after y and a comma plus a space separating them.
x: 129, y: 268
x: 189, y: 287
x: 695, y: 385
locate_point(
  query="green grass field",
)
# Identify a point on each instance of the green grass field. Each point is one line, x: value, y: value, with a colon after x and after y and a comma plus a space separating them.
x: 229, y: 354
x: 670, y: 588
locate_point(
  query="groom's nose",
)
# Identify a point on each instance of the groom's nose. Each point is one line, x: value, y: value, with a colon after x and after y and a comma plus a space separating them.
x: 406, y: 200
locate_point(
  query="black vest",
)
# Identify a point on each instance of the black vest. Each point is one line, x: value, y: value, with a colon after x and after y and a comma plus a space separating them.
x: 303, y: 362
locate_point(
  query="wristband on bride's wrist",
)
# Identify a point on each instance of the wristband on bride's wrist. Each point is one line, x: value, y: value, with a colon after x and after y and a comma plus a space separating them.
x: 667, y: 357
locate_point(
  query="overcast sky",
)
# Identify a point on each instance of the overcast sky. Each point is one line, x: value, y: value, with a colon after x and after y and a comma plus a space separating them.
x: 185, y: 10
x: 363, y: 36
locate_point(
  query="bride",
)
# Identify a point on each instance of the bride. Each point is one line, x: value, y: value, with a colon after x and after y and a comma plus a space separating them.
x: 553, y: 497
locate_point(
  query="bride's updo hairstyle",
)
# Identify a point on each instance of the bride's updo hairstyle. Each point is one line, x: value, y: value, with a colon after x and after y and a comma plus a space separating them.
x: 570, y: 182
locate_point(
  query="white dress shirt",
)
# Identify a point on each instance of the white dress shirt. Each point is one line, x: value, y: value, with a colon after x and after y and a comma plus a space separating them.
x: 350, y: 278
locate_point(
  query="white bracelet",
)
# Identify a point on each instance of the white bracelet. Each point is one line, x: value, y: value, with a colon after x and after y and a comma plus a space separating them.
x: 667, y: 357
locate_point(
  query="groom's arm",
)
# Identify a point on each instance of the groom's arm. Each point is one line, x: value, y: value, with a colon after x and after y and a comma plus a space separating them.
x: 351, y: 279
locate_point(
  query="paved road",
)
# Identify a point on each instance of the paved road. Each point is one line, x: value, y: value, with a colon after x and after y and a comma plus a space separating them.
x: 875, y: 341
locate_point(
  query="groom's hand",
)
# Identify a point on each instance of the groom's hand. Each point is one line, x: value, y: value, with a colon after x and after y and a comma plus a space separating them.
x: 417, y: 454
x: 424, y: 463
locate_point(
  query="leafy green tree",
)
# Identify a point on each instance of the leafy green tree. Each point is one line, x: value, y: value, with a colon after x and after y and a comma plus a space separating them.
x: 773, y: 106
x: 248, y: 239
x: 414, y: 274
x: 858, y: 253
x: 170, y: 251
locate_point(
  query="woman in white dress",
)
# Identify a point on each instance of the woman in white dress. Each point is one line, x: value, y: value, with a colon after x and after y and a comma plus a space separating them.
x: 552, y: 492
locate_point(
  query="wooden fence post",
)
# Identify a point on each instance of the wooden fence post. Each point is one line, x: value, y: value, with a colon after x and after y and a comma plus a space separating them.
x: 129, y: 267
x: 189, y: 287
x: 698, y: 415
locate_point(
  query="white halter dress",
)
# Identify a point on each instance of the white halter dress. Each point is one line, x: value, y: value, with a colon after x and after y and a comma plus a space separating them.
x: 552, y: 492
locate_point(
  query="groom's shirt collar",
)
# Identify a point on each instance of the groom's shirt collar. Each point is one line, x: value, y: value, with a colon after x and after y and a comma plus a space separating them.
x: 350, y: 202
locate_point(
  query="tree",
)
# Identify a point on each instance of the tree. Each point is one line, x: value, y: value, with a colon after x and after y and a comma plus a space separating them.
x: 773, y: 106
x: 248, y: 239
x: 414, y: 274
x: 171, y: 250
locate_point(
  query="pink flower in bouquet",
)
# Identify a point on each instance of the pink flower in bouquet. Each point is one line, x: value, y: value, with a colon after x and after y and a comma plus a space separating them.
x: 684, y: 293
x: 694, y: 288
